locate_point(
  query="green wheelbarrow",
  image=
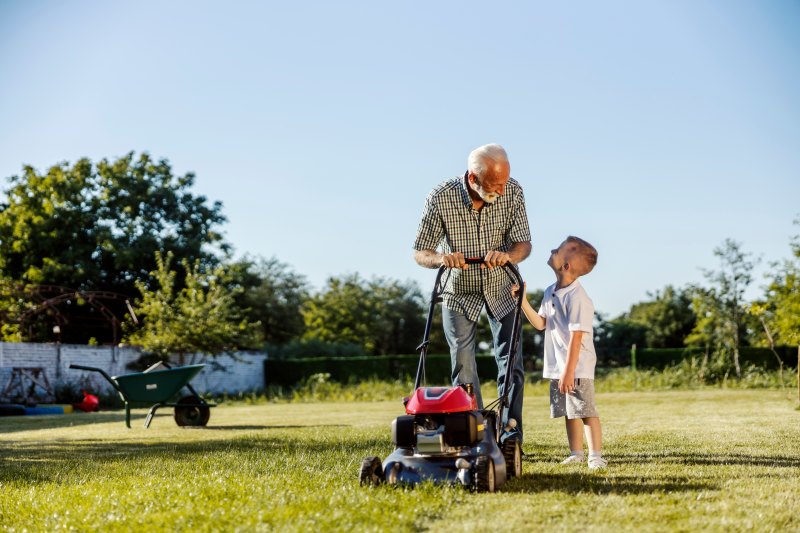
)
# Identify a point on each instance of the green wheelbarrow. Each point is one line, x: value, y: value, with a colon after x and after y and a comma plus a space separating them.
x: 158, y: 385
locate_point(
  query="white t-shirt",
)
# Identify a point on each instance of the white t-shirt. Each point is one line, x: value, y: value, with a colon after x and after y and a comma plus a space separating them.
x: 565, y: 310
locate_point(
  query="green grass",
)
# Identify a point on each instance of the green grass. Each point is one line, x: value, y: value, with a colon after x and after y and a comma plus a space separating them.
x: 713, y: 459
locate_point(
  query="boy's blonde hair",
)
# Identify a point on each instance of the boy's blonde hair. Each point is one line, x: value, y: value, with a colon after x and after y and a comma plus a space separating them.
x: 587, y: 254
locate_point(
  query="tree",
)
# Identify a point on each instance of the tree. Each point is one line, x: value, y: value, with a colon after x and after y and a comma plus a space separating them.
x: 613, y: 338
x: 384, y: 316
x: 273, y: 295
x: 667, y: 319
x: 779, y: 311
x: 720, y: 309
x: 783, y: 297
x: 97, y: 228
x: 201, y: 317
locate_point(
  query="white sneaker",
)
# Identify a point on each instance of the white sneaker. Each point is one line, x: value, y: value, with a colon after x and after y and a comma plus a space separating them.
x: 572, y: 459
x: 597, y: 463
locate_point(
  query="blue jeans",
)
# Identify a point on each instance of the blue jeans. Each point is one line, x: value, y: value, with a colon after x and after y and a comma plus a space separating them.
x: 460, y: 333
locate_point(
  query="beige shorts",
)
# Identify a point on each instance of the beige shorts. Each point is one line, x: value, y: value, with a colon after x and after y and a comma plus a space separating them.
x: 578, y: 403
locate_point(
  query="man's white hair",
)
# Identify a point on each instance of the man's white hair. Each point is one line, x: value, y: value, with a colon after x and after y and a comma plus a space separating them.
x: 478, y: 158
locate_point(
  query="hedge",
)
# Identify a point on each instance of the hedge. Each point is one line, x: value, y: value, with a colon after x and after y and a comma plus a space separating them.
x: 287, y: 372
x: 347, y: 369
x: 761, y: 357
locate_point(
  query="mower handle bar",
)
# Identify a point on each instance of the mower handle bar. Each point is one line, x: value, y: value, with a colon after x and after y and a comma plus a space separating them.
x: 436, y: 296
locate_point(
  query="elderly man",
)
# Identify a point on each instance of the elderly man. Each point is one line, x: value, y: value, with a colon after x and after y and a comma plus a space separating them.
x: 480, y: 214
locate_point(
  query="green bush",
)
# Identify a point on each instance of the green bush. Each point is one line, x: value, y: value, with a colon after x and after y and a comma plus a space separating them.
x: 298, y: 349
x: 748, y: 355
x: 289, y: 372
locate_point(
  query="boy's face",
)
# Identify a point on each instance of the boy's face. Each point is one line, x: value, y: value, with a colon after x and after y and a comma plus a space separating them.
x: 560, y: 257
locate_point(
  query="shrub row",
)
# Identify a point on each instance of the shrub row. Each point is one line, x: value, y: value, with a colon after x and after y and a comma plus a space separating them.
x: 761, y: 357
x: 287, y: 372
x: 354, y: 369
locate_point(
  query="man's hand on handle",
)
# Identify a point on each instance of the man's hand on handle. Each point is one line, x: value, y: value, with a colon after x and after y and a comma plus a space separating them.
x: 454, y: 260
x: 490, y: 260
x: 495, y: 259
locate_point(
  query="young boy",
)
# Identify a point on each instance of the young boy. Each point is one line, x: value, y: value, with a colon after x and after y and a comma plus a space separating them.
x: 567, y: 314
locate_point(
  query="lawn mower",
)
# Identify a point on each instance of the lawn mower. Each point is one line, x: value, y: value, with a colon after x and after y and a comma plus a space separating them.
x: 444, y: 437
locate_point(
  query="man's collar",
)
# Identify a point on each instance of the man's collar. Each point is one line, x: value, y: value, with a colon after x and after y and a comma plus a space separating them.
x: 465, y: 190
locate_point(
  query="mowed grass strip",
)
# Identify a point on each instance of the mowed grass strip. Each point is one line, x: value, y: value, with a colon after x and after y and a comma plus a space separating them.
x: 680, y: 460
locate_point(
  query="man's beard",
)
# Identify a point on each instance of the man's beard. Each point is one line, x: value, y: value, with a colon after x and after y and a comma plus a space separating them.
x: 489, y: 197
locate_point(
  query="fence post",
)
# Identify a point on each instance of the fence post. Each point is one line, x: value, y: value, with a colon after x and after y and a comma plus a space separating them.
x: 633, y: 356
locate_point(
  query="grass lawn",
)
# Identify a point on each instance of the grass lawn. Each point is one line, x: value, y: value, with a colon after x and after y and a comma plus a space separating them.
x: 706, y: 459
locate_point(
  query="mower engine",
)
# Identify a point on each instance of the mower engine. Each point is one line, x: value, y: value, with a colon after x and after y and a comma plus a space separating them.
x: 440, y: 421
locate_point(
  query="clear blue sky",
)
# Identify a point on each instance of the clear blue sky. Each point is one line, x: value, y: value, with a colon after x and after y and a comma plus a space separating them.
x: 653, y: 129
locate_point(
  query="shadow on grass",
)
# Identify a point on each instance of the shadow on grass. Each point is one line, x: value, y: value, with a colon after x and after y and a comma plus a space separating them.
x: 709, y: 459
x: 32, y: 423
x: 44, y: 461
x: 574, y: 483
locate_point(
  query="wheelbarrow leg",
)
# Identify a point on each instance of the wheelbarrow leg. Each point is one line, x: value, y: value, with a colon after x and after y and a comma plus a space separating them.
x: 150, y: 414
x: 127, y: 415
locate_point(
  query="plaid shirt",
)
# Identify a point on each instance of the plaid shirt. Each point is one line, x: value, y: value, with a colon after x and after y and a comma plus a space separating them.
x: 450, y: 222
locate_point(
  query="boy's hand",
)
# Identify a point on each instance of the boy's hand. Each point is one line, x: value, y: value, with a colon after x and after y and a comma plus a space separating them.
x: 566, y: 383
x: 515, y: 290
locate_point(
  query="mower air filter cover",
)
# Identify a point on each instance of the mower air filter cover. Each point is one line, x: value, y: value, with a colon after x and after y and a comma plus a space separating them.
x: 404, y: 433
x: 464, y: 429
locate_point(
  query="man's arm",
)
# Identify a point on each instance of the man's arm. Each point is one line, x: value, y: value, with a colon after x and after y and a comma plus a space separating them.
x: 519, y: 252
x: 428, y: 258
x: 434, y: 259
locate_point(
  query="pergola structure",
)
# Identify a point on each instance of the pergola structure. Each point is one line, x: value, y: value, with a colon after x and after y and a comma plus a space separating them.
x: 50, y: 299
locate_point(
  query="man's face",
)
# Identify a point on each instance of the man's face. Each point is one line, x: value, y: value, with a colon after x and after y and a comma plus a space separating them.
x: 492, y: 185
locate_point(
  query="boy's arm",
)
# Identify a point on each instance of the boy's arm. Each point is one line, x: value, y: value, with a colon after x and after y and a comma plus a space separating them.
x: 533, y: 317
x: 567, y: 381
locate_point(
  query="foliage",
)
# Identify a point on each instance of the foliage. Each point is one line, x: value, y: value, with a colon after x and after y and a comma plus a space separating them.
x: 667, y: 318
x: 273, y: 294
x: 381, y: 315
x: 690, y: 374
x: 11, y: 308
x: 97, y: 227
x: 618, y: 334
x: 779, y: 312
x: 299, y: 349
x: 202, y: 317
x: 720, y: 308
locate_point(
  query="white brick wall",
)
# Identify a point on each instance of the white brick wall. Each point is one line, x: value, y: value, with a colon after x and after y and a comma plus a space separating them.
x: 241, y: 372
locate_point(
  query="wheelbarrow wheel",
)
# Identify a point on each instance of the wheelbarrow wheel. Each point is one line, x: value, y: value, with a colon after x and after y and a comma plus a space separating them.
x: 192, y: 414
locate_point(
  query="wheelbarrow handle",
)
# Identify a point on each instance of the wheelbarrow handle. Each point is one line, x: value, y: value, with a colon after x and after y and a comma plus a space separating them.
x: 100, y: 370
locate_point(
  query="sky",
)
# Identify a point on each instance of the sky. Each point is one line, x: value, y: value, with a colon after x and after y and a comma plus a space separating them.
x: 655, y: 130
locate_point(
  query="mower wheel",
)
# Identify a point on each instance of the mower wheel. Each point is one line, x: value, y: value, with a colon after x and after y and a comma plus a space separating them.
x: 512, y: 451
x: 371, y: 471
x: 484, y: 474
x: 192, y: 414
